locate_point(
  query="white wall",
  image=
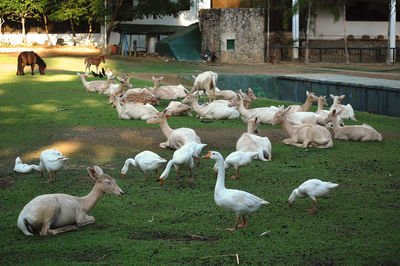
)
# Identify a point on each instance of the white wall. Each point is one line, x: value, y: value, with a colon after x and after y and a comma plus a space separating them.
x: 185, y: 18
x: 41, y: 38
x: 328, y: 30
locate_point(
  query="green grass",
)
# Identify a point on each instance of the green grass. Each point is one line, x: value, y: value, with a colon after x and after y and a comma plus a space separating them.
x: 179, y: 223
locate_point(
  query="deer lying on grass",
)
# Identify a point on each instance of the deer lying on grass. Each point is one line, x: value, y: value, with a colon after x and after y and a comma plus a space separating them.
x: 249, y: 142
x: 51, y: 214
x: 347, y: 110
x: 131, y: 110
x: 176, y: 138
x: 362, y: 132
x: 206, y: 81
x: 299, y: 118
x: 263, y: 114
x: 167, y: 92
x: 305, y: 135
x: 96, y: 85
x: 215, y: 110
x: 178, y: 108
x: 311, y: 98
x: 140, y: 96
x: 118, y: 89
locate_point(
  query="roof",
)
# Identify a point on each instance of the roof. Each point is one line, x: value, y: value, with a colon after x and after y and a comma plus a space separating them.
x: 182, y: 32
x: 132, y: 29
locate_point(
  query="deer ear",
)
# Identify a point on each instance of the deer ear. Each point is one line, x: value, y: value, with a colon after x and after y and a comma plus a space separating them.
x: 307, y: 93
x: 92, y: 173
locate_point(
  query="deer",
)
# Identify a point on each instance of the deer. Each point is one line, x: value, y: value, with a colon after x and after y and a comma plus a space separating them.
x: 51, y: 214
x: 167, y: 92
x: 218, y: 109
x: 263, y: 114
x: 94, y: 60
x: 176, y: 138
x: 249, y: 142
x: 362, y: 132
x: 205, y: 81
x: 304, y: 135
x: 311, y: 98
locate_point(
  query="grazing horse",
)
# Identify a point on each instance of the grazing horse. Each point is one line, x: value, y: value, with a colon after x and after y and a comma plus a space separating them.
x: 30, y: 58
x: 94, y: 60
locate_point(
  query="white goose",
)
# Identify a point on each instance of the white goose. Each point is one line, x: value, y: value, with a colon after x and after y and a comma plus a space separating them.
x: 237, y: 159
x: 182, y: 158
x: 197, y: 149
x: 24, y: 168
x: 313, y: 188
x: 146, y: 161
x: 52, y: 161
x: 238, y: 201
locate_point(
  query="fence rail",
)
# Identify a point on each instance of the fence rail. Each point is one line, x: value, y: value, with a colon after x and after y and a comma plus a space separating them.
x: 336, y: 54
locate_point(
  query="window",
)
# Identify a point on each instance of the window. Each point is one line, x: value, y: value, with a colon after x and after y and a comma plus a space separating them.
x: 230, y: 44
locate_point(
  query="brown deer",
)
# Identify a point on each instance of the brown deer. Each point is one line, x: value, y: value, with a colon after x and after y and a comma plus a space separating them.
x: 94, y: 60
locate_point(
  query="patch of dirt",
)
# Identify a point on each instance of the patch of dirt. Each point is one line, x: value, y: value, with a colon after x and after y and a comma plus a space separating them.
x: 6, y: 182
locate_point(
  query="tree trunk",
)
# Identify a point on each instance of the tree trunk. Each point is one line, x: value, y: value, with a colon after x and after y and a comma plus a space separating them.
x: 346, y: 52
x: 117, y: 6
x: 90, y: 32
x: 1, y: 25
x: 23, y: 30
x: 268, y: 32
x: 73, y: 31
x: 47, y: 30
x: 306, y: 56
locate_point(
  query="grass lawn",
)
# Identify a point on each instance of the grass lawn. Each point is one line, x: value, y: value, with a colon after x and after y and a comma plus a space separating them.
x: 179, y: 222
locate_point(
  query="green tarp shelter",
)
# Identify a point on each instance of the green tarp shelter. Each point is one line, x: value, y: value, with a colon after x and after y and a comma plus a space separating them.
x: 183, y: 45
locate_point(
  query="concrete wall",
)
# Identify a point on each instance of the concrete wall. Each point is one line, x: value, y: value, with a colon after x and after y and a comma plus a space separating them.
x: 325, y: 28
x: 242, y: 26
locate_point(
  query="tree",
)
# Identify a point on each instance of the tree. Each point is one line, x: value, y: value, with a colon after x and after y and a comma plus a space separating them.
x: 144, y: 8
x: 20, y: 10
x: 69, y: 10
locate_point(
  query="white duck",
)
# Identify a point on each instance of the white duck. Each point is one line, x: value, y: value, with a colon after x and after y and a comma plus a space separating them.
x: 146, y: 161
x: 237, y: 159
x: 24, y: 168
x: 238, y: 201
x: 313, y: 188
x: 52, y: 161
x: 182, y: 158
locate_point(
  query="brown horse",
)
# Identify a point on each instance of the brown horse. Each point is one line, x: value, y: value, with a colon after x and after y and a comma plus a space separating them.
x: 94, y: 60
x: 29, y: 58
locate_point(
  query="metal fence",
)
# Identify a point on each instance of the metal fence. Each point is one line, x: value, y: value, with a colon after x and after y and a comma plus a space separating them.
x: 336, y: 54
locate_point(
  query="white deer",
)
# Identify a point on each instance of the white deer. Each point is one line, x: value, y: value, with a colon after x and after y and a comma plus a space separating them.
x: 131, y: 110
x: 206, y: 81
x: 347, y: 110
x: 51, y: 214
x: 176, y: 138
x: 214, y: 110
x: 167, y: 92
x: 305, y: 135
x: 249, y: 142
x: 362, y: 132
x: 264, y: 114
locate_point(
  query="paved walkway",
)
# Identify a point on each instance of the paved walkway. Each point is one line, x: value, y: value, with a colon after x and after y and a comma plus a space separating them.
x: 349, y: 80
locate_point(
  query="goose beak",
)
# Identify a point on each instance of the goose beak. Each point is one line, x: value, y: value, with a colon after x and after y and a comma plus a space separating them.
x: 161, y: 181
x: 123, y: 176
x: 207, y: 156
x: 290, y: 204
